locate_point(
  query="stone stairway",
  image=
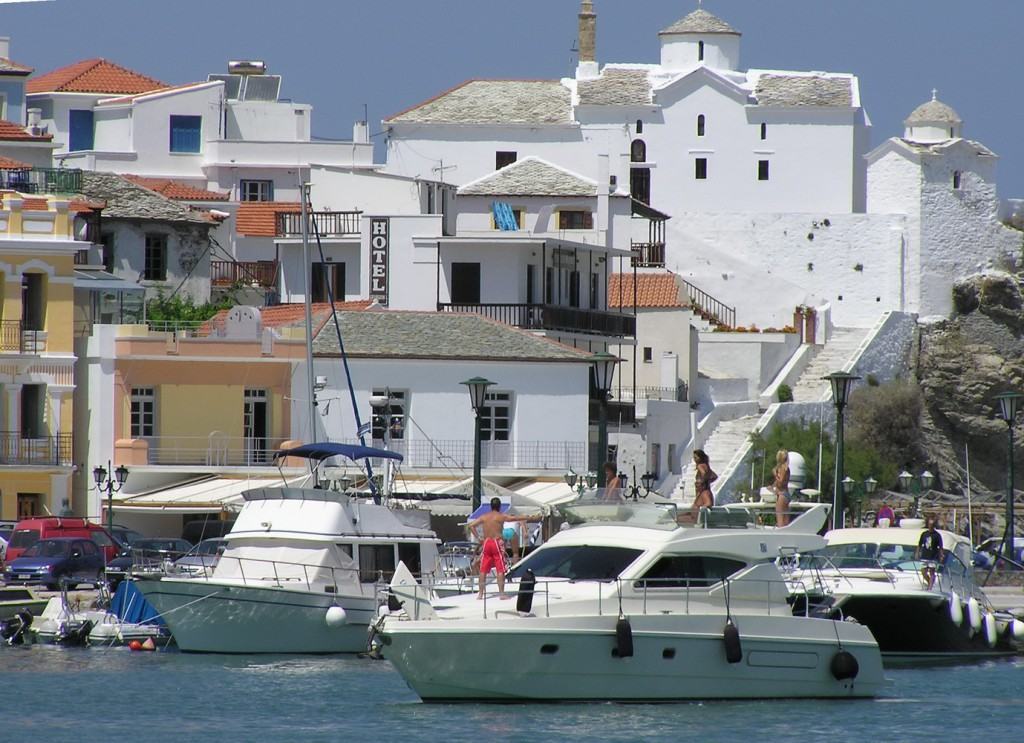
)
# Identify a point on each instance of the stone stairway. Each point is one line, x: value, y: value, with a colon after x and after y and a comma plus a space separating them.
x: 724, y: 442
x: 810, y: 387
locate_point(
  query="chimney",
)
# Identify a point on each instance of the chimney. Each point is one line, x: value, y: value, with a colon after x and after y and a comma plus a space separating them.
x: 5, y: 47
x: 587, y: 67
x: 360, y: 133
x: 35, y: 116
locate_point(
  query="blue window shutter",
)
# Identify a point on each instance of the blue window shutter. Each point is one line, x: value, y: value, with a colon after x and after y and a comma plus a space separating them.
x: 186, y: 133
x: 80, y: 131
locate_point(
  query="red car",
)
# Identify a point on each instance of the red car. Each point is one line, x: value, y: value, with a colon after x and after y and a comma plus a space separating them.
x: 29, y: 531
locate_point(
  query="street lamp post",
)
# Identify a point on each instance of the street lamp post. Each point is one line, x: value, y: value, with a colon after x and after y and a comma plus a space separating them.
x: 1008, y: 404
x: 580, y: 483
x: 603, y: 364
x: 110, y: 485
x: 915, y: 486
x: 477, y: 387
x: 861, y: 491
x: 842, y: 384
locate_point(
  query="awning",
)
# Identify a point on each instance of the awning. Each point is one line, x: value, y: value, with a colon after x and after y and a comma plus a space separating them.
x: 104, y: 280
x: 546, y: 492
x: 211, y: 495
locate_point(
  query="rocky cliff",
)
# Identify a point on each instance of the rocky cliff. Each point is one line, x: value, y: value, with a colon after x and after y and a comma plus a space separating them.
x: 962, y: 363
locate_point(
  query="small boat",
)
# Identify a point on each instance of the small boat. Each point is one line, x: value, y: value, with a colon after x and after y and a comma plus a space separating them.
x: 129, y: 618
x: 17, y: 598
x: 618, y: 612
x: 871, y: 575
x: 300, y: 571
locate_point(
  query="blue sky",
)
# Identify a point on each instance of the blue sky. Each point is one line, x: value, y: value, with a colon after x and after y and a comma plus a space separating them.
x: 339, y: 54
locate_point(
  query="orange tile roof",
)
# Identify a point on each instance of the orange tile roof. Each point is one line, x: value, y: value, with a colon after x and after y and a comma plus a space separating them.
x: 154, y: 91
x: 7, y: 163
x: 10, y: 130
x: 289, y: 315
x: 653, y: 291
x: 30, y: 204
x: 177, y: 190
x: 92, y: 76
x: 259, y: 218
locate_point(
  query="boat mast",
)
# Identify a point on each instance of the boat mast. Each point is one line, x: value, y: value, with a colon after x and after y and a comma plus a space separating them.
x: 307, y: 270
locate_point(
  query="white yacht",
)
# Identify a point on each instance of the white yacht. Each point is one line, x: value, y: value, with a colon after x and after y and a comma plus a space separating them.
x: 871, y: 575
x: 300, y: 572
x: 607, y: 611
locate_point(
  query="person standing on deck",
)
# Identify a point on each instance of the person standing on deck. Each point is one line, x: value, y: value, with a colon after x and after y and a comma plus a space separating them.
x: 929, y: 551
x: 781, y: 487
x: 491, y: 525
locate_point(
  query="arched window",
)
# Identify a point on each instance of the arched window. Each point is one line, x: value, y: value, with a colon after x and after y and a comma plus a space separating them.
x: 700, y: 125
x: 639, y: 126
x: 700, y: 51
x: 638, y: 151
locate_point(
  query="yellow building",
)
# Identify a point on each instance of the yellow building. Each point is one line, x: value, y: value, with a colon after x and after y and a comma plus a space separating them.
x: 37, y: 360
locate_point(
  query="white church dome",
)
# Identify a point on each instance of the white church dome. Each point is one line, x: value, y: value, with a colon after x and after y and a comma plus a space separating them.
x: 933, y: 121
x: 701, y: 38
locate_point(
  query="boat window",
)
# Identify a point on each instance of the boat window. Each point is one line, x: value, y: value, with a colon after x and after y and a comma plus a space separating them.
x: 24, y: 538
x: 867, y: 554
x: 577, y: 562
x: 376, y: 561
x: 346, y: 548
x: 409, y: 553
x: 679, y: 571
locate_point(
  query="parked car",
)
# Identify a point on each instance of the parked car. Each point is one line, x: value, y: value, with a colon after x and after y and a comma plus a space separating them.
x: 49, y: 561
x: 124, y: 536
x: 5, y: 537
x: 202, y: 558
x: 152, y: 556
x: 29, y: 531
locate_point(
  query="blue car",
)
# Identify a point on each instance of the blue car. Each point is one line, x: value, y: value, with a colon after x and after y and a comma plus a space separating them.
x: 50, y: 561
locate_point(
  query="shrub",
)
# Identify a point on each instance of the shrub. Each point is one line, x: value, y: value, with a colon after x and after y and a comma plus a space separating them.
x: 785, y: 393
x: 887, y: 418
x: 182, y: 309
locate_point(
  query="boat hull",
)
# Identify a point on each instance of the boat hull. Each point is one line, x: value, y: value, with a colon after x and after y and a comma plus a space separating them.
x: 675, y: 658
x: 208, y: 617
x: 919, y: 627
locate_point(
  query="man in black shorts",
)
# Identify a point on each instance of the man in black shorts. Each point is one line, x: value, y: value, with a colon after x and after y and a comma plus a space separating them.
x: 929, y: 551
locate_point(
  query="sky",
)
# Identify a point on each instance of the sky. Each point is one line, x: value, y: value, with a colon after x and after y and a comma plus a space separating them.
x: 340, y: 55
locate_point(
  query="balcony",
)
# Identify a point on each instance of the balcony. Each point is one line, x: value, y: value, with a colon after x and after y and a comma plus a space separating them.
x: 554, y: 456
x: 667, y: 394
x: 262, y: 274
x: 551, y: 318
x: 326, y: 224
x: 42, y: 180
x: 15, y: 339
x: 46, y: 451
x: 648, y: 255
x: 213, y: 450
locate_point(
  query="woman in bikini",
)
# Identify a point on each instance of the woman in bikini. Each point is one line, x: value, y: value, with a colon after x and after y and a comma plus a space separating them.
x: 702, y: 482
x: 781, y: 487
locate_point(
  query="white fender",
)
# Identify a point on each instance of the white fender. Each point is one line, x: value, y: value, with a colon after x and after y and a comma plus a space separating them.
x: 1017, y: 627
x: 335, y: 617
x: 956, y: 611
x: 990, y: 629
x: 974, y: 614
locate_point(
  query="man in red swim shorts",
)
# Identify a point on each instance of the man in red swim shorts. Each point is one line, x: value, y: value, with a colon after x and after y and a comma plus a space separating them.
x: 493, y: 556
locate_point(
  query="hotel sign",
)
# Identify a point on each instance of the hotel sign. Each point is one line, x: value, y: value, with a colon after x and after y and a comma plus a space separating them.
x: 379, y: 242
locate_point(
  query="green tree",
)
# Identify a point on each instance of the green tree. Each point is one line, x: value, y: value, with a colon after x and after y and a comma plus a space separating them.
x: 887, y: 420
x: 163, y: 309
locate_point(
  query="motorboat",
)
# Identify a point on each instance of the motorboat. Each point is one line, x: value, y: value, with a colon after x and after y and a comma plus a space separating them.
x: 300, y: 570
x: 635, y: 610
x: 120, y: 619
x: 872, y: 575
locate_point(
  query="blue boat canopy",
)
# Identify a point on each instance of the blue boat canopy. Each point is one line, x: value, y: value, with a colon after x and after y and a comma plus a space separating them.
x: 320, y: 452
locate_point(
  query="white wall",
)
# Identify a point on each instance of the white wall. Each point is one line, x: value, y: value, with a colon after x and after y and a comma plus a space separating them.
x: 756, y: 357
x: 268, y: 120
x: 190, y: 240
x: 112, y: 130
x: 664, y: 331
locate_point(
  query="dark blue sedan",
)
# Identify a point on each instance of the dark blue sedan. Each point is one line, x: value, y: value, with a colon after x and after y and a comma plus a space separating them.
x: 51, y: 561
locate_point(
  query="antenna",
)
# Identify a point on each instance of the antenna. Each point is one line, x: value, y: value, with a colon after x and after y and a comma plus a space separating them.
x: 442, y: 167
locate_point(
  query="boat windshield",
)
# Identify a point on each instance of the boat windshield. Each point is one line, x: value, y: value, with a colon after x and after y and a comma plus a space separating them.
x: 577, y: 562
x: 864, y: 555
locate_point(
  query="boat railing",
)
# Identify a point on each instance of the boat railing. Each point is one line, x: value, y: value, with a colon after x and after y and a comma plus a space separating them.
x: 267, y: 573
x: 642, y: 596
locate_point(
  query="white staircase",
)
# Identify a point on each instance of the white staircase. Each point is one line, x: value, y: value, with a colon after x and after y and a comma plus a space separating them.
x: 810, y: 387
x: 721, y: 446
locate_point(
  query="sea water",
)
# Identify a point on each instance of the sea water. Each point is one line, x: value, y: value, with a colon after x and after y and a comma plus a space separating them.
x: 112, y: 694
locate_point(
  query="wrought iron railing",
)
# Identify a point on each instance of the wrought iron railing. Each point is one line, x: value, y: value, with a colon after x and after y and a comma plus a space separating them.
x: 15, y: 449
x: 254, y: 273
x: 648, y: 255
x: 328, y: 224
x: 551, y: 317
x: 632, y: 394
x: 42, y: 180
x: 709, y: 308
x: 216, y: 449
